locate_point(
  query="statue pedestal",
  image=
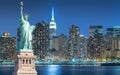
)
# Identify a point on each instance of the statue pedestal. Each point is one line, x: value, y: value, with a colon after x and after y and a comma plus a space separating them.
x: 24, y: 64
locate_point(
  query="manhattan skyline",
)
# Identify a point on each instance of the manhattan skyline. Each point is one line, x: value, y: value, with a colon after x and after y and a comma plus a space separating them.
x: 82, y: 13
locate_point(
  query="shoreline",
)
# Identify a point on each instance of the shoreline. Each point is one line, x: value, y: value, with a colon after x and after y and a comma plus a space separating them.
x: 71, y: 64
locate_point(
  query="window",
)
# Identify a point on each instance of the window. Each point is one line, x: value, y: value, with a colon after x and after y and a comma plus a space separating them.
x: 30, y: 61
x: 26, y: 61
x: 23, y: 61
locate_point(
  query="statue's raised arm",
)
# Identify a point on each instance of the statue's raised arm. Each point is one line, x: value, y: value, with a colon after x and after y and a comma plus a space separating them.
x: 21, y: 11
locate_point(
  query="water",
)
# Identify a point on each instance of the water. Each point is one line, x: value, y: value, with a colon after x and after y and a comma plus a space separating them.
x: 68, y: 70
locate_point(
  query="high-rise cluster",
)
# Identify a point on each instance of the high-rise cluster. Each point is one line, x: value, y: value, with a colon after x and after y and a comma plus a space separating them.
x: 47, y: 45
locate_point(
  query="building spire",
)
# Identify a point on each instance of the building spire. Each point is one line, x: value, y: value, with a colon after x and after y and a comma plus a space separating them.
x: 52, y: 14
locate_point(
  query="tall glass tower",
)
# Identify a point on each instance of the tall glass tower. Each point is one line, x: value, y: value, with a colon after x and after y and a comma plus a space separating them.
x: 52, y: 28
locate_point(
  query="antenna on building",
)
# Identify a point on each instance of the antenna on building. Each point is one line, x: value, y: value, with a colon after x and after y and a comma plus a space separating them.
x: 52, y: 14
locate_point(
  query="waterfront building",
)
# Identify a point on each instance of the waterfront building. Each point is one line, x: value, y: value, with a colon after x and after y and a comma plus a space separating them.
x: 7, y: 47
x: 83, y: 48
x: 60, y: 48
x: 112, y: 42
x: 40, y: 43
x: 96, y: 44
x: 73, y: 46
x: 115, y: 47
x: 53, y: 54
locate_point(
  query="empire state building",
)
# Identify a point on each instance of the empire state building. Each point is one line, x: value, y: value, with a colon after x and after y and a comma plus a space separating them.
x: 52, y: 25
x: 52, y: 28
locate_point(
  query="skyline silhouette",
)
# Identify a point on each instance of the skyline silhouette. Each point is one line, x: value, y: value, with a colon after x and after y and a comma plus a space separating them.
x: 81, y: 13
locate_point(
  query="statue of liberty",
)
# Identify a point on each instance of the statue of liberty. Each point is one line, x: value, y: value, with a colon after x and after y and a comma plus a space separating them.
x: 25, y: 43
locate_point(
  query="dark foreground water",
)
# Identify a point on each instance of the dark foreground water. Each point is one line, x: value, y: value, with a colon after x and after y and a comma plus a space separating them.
x: 68, y: 70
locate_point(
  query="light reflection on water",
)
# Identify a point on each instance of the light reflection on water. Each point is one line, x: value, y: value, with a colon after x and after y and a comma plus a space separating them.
x: 68, y: 70
x: 53, y: 70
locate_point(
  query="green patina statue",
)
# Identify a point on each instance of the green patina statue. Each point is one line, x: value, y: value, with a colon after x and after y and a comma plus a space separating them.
x: 25, y: 43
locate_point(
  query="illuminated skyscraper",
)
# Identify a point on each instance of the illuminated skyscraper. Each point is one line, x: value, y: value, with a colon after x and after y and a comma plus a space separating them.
x: 52, y: 28
x: 83, y: 48
x: 95, y: 43
x: 113, y: 42
x: 7, y: 47
x: 110, y: 32
x: 73, y: 45
x: 108, y: 38
x: 116, y: 31
x: 115, y: 47
x: 41, y: 40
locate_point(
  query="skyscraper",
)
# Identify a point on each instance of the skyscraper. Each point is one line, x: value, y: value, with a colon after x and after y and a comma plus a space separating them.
x: 52, y: 28
x: 116, y: 31
x: 63, y: 42
x: 113, y: 43
x: 63, y: 47
x: 83, y: 48
x: 113, y: 36
x: 95, y: 43
x: 7, y: 47
x: 110, y: 32
x: 73, y: 45
x: 116, y: 43
x: 108, y: 38
x: 41, y: 40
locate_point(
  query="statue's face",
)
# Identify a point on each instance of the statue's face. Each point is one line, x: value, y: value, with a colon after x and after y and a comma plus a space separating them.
x: 26, y: 17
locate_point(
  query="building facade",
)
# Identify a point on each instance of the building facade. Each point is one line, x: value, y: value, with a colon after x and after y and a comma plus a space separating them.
x: 116, y: 31
x: 7, y: 47
x: 113, y: 43
x: 40, y: 41
x: 96, y: 45
x: 83, y: 48
x: 55, y: 44
x: 73, y: 46
x: 63, y: 47
x: 108, y: 38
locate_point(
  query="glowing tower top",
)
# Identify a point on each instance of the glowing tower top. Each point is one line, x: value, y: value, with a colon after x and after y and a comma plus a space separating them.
x: 52, y: 25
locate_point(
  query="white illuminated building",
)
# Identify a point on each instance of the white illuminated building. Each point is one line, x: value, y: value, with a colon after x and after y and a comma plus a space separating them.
x: 52, y: 25
x: 52, y: 28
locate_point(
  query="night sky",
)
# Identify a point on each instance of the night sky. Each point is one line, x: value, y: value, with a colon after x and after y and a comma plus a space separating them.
x: 82, y: 13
